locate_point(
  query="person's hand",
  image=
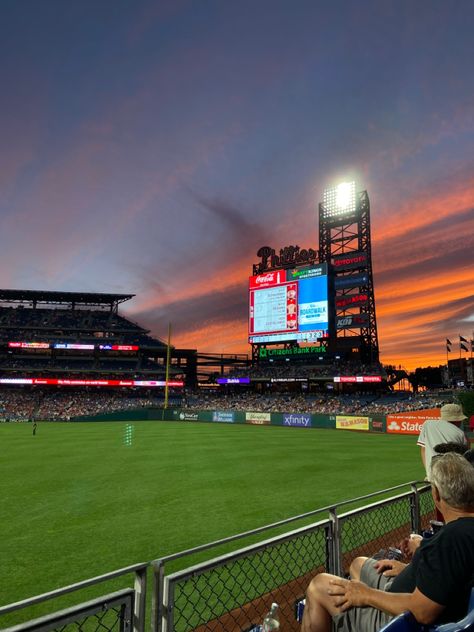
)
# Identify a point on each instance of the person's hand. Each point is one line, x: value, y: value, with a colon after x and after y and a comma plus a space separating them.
x: 389, y: 568
x: 348, y: 593
x: 409, y: 545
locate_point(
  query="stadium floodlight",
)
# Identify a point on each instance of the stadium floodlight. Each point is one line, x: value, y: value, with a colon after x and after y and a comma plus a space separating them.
x: 339, y: 200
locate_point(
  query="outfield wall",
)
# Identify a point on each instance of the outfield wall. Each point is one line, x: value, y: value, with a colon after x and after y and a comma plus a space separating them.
x: 372, y: 423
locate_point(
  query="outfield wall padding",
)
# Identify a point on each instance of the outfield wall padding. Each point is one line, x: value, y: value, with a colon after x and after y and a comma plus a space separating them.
x: 373, y: 423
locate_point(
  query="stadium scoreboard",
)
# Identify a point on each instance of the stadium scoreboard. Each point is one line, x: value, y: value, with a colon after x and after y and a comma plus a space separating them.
x: 289, y: 305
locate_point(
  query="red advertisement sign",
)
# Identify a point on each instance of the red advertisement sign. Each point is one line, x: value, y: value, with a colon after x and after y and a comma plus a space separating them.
x: 350, y: 260
x: 358, y: 378
x: 351, y: 299
x: 29, y: 345
x: 50, y: 381
x: 410, y: 422
x: 267, y: 279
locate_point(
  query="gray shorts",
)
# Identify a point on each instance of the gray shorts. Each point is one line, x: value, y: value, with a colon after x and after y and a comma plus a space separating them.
x: 365, y: 619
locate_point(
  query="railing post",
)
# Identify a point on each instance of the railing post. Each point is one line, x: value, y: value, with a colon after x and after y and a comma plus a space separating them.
x: 139, y: 606
x: 336, y: 542
x: 157, y: 595
x: 415, y: 509
x: 167, y: 607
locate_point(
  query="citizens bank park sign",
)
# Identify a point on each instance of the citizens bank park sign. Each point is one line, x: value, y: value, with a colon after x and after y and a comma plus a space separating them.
x: 292, y: 351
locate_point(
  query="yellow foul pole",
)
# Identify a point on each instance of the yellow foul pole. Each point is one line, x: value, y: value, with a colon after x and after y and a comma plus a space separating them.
x: 167, y: 374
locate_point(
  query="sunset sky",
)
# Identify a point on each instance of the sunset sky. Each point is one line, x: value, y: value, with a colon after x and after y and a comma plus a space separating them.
x: 151, y: 147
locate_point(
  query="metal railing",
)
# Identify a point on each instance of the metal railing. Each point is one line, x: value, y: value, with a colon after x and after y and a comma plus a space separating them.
x: 110, y: 613
x: 99, y: 607
x: 232, y: 591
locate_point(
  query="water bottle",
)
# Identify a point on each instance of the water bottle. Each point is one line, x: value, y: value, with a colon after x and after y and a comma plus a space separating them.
x: 271, y: 623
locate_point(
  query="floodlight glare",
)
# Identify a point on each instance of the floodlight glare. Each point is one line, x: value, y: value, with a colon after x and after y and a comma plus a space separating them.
x: 339, y: 200
x: 343, y: 195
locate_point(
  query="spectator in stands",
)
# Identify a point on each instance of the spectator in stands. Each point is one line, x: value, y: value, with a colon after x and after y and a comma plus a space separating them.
x: 434, y: 587
x: 443, y: 430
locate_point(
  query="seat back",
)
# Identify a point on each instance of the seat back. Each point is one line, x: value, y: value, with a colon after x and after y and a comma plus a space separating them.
x: 406, y: 622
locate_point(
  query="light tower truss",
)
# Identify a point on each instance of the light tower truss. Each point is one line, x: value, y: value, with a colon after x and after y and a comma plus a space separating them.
x: 344, y: 241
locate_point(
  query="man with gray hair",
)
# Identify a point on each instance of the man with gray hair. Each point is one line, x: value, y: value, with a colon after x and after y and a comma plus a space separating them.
x: 434, y: 587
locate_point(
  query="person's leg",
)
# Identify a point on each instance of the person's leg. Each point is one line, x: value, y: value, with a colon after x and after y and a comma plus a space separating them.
x: 356, y: 566
x: 319, y: 607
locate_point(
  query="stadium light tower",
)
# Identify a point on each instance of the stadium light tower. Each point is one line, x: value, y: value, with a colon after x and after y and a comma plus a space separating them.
x: 345, y: 243
x: 339, y: 200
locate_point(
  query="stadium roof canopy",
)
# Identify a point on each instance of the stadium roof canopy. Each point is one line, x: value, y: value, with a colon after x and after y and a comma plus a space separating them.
x: 71, y: 298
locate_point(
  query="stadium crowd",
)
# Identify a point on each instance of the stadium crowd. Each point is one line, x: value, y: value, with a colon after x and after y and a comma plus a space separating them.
x: 313, y: 403
x: 55, y: 405
x: 298, y: 370
x: 19, y: 404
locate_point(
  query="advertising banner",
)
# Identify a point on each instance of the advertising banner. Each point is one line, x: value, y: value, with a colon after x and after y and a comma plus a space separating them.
x: 29, y: 345
x: 410, y: 422
x: 226, y: 417
x: 354, y: 280
x: 267, y: 279
x: 258, y: 419
x: 351, y: 300
x: 344, y: 422
x: 377, y: 425
x: 359, y: 379
x: 302, y: 420
x: 186, y: 415
x: 265, y: 352
x: 352, y: 321
x: 233, y: 380
x: 350, y: 261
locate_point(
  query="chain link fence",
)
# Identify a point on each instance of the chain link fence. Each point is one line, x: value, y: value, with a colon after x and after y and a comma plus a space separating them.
x: 366, y: 531
x: 233, y: 592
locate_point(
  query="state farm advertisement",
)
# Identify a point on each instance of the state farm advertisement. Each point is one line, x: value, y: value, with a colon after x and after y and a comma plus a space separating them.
x: 352, y: 423
x: 410, y: 422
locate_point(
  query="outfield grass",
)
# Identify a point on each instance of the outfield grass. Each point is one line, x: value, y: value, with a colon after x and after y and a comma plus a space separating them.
x: 77, y: 501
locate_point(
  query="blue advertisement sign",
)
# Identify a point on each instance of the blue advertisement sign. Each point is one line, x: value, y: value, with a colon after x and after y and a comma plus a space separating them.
x: 223, y: 417
x: 354, y: 280
x: 301, y: 421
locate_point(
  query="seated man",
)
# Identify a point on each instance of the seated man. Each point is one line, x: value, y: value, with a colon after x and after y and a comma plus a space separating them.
x: 434, y: 587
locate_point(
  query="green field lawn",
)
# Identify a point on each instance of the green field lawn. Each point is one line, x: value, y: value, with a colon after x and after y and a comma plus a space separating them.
x: 77, y: 501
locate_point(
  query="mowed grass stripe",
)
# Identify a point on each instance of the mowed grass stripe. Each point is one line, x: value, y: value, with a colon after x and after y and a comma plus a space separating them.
x: 77, y: 501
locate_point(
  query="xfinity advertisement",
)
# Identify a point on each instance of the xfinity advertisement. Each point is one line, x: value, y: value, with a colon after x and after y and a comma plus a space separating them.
x: 299, y: 421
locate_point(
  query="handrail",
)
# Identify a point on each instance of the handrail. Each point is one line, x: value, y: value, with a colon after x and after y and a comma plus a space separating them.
x: 58, y: 592
x: 274, y: 525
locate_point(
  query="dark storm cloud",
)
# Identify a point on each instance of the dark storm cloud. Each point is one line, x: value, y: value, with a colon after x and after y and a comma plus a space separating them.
x: 242, y: 233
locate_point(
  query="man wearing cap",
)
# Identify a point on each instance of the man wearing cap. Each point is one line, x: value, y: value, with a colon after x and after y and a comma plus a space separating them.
x: 446, y: 429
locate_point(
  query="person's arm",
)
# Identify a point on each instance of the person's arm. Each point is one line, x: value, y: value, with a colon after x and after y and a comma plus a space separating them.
x: 423, y: 456
x: 353, y: 593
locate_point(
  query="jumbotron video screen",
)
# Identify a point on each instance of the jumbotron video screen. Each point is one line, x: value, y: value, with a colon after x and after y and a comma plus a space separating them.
x: 289, y: 305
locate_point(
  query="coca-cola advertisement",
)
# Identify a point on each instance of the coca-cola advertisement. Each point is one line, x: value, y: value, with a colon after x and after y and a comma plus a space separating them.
x: 267, y: 279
